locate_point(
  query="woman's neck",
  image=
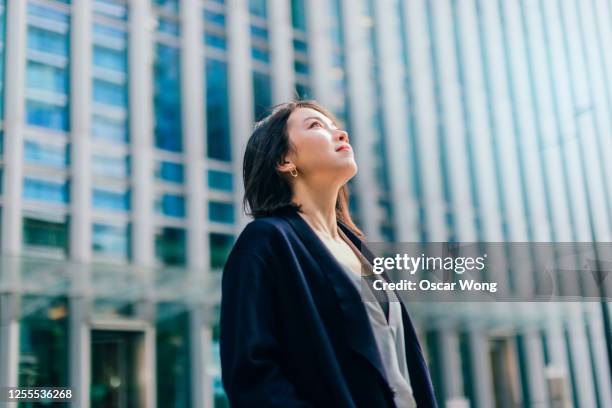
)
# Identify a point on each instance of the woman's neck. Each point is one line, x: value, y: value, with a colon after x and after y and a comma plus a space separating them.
x: 318, y: 207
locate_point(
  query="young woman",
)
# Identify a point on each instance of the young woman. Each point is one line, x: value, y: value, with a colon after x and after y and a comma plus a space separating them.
x: 296, y: 330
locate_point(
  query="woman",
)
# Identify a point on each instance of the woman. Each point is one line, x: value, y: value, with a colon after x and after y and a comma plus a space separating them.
x: 295, y: 331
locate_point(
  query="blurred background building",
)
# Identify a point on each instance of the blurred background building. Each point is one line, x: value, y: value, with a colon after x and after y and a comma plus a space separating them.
x: 123, y: 125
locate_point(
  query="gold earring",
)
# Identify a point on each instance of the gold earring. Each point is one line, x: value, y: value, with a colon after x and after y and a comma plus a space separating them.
x: 292, y: 172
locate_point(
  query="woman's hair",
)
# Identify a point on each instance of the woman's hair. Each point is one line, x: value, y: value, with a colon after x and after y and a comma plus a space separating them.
x: 267, y: 190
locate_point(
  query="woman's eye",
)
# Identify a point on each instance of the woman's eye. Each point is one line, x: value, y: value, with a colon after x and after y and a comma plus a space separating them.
x: 315, y: 123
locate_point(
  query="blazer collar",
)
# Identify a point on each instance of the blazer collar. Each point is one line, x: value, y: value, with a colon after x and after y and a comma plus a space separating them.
x: 358, y: 329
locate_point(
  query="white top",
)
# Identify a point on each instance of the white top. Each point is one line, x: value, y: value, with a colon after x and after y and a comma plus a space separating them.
x: 389, y: 339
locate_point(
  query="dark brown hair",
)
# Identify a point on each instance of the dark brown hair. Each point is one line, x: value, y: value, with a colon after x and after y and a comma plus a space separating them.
x: 266, y: 190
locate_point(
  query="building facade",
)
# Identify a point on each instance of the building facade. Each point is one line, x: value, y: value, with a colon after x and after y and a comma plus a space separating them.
x: 123, y: 127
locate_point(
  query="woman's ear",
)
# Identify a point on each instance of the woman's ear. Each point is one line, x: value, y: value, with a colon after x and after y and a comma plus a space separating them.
x: 285, y: 166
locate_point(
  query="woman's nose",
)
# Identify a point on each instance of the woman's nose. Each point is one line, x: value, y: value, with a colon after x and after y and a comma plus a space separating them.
x: 343, y: 135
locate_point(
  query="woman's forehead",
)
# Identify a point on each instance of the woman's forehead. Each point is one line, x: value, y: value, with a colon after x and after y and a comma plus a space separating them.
x: 302, y: 114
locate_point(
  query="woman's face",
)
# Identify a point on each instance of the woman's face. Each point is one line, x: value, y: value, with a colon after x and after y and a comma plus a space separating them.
x: 321, y: 150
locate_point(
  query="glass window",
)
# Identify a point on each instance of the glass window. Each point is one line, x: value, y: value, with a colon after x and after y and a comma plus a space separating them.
x: 49, y: 155
x: 43, y: 190
x: 258, y: 7
x: 111, y: 8
x: 47, y: 41
x: 168, y: 127
x: 46, y: 115
x: 110, y: 240
x: 298, y: 14
x: 43, y: 342
x: 260, y: 55
x: 172, y: 172
x: 173, y: 357
x: 221, y: 212
x: 104, y: 33
x: 260, y: 32
x: 214, y: 17
x: 217, y: 110
x: 47, y: 13
x: 220, y: 180
x: 168, y: 27
x: 109, y: 166
x: 115, y: 130
x: 110, y: 59
x: 262, y: 94
x: 47, y: 78
x: 45, y: 233
x: 169, y: 5
x: 171, y: 205
x: 215, y: 40
x: 111, y: 200
x: 170, y: 246
x: 109, y: 93
x: 220, y: 247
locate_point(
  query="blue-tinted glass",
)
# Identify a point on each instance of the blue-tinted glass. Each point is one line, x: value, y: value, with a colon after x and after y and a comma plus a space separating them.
x: 220, y: 180
x: 260, y: 55
x: 168, y: 27
x: 300, y: 67
x: 104, y: 32
x: 259, y: 32
x: 217, y: 111
x: 300, y: 46
x: 298, y: 14
x: 169, y: 5
x: 47, y: 78
x: 47, y: 13
x: 220, y: 212
x: 109, y: 166
x: 110, y: 200
x: 49, y: 155
x: 42, y: 190
x: 220, y: 246
x: 215, y: 40
x: 110, y: 240
x: 168, y: 127
x: 262, y: 94
x: 109, y: 129
x: 47, y: 41
x: 47, y: 115
x: 110, y: 59
x: 213, y: 17
x: 258, y: 7
x: 111, y: 8
x: 171, y: 172
x: 172, y: 205
x: 170, y: 246
x: 303, y: 91
x: 109, y: 93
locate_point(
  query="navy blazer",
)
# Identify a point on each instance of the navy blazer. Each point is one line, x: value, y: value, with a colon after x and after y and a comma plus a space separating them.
x: 294, y: 330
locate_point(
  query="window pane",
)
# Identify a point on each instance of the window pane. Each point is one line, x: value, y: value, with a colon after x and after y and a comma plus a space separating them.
x: 220, y: 180
x: 217, y: 110
x: 110, y: 200
x: 172, y: 172
x: 42, y: 190
x: 47, y: 115
x: 109, y: 129
x: 221, y: 212
x: 111, y: 240
x: 109, y: 93
x: 172, y: 205
x: 262, y: 94
x: 47, y: 41
x: 168, y: 127
x: 109, y: 166
x: 170, y: 246
x: 220, y: 246
x: 43, y: 342
x: 110, y: 59
x: 48, y: 155
x: 47, y: 78
x: 45, y: 233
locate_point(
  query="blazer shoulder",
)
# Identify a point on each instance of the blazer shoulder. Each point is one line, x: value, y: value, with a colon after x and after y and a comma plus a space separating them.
x: 262, y: 234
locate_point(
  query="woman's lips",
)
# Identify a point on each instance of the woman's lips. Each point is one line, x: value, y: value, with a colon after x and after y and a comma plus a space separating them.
x: 345, y: 147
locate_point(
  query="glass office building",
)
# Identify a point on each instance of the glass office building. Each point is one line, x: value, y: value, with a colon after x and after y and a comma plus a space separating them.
x: 123, y: 124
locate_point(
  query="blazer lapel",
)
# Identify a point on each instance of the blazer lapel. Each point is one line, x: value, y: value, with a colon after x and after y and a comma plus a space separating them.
x: 359, y: 332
